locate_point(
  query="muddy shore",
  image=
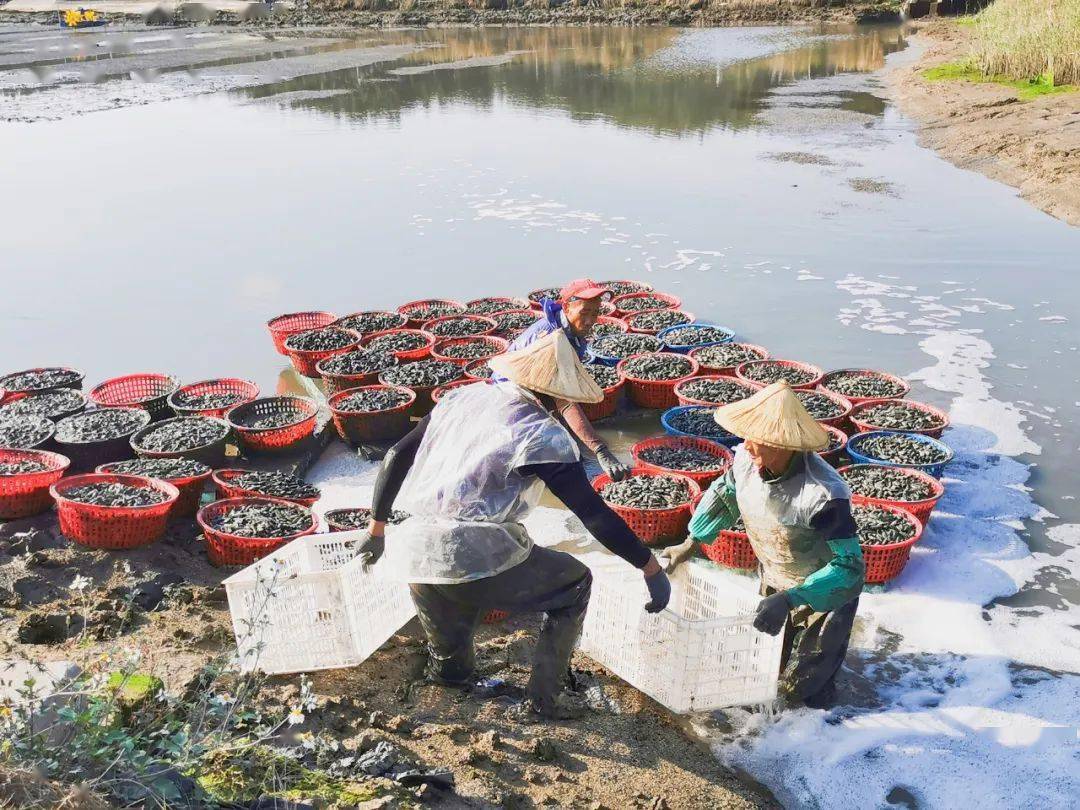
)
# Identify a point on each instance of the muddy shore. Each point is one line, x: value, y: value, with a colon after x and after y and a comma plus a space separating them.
x: 1031, y: 145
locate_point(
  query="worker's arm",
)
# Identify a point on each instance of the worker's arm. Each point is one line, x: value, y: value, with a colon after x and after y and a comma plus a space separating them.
x: 568, y: 483
x: 716, y: 511
x: 841, y: 579
x: 574, y: 416
x: 396, y: 465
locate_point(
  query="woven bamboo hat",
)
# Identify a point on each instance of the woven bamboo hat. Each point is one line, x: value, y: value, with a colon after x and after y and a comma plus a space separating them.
x: 773, y: 416
x: 549, y: 366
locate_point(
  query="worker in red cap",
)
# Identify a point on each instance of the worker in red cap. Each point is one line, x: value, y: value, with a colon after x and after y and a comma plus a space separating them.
x: 575, y: 312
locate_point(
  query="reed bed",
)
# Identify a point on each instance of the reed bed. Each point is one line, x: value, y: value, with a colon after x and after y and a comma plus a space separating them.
x: 1029, y: 40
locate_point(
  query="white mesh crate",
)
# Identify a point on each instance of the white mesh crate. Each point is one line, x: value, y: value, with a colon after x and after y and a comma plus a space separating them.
x: 699, y: 654
x: 310, y: 606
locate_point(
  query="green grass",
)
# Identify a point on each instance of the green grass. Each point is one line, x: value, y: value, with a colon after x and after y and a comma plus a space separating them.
x: 967, y: 71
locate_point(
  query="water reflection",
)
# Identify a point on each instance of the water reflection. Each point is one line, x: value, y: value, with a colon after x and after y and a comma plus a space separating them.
x: 615, y: 74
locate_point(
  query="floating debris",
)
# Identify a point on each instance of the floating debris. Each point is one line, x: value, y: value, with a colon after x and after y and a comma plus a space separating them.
x: 458, y: 327
x: 275, y: 485
x: 770, y: 371
x: 682, y: 458
x: 361, y: 361
x: 505, y: 321
x: 50, y: 404
x: 536, y: 296
x: 643, y: 303
x: 713, y: 391
x: 880, y: 527
x: 695, y: 336
x: 263, y: 520
x: 372, y: 399
x: 182, y: 433
x: 899, y: 416
x: 820, y: 406
x: 491, y: 306
x: 604, y: 376
x: 886, y: 483
x: 864, y: 385
x: 429, y: 310
x: 423, y: 374
x: 165, y: 469
x: 725, y: 355
x: 897, y: 448
x: 360, y: 517
x: 621, y: 345
x: 470, y: 350
x: 658, y: 366
x: 659, y: 319
x: 100, y: 425
x: 367, y: 322
x: 40, y: 379
x: 21, y: 467
x: 647, y: 492
x: 618, y: 288
x: 698, y: 422
x: 207, y: 401
x: 116, y: 494
x: 398, y: 342
x: 320, y: 340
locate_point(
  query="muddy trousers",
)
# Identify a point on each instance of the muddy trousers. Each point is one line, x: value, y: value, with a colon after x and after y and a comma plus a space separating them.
x: 815, y: 645
x: 548, y: 582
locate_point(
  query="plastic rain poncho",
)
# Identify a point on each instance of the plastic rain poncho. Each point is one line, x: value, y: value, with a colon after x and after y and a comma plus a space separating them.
x: 464, y: 490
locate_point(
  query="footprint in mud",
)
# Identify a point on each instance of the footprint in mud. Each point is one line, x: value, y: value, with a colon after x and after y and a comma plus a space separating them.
x: 868, y: 185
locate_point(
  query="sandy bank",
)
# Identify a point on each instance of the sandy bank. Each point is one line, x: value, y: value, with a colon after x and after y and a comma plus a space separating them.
x: 1032, y: 145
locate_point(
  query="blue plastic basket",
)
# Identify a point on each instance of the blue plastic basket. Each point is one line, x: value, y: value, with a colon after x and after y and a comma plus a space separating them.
x: 935, y: 470
x: 729, y: 440
x: 695, y: 325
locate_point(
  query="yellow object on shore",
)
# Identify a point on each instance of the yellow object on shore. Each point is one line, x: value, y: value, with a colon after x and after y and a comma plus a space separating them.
x: 73, y: 18
x: 549, y: 366
x: 773, y: 416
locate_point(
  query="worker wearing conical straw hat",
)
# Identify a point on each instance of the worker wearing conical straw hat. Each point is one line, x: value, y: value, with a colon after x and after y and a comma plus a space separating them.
x: 468, y: 474
x: 797, y: 514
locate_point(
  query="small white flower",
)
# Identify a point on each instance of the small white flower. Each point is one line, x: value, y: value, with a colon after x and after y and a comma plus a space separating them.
x: 80, y: 583
x: 296, y: 716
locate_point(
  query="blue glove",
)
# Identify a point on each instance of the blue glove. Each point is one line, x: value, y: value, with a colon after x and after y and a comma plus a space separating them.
x: 659, y: 590
x: 772, y: 613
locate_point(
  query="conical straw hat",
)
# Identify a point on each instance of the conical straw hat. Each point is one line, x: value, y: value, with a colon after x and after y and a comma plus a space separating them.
x: 773, y: 416
x: 549, y: 366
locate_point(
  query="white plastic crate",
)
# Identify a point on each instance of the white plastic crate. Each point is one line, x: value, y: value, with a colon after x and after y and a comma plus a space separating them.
x: 699, y: 654
x: 310, y: 606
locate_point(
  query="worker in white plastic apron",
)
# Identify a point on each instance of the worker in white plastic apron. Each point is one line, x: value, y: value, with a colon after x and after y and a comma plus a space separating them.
x: 575, y: 313
x: 797, y: 514
x: 468, y: 474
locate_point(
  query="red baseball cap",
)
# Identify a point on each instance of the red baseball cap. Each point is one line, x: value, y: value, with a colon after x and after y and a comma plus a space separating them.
x: 583, y: 288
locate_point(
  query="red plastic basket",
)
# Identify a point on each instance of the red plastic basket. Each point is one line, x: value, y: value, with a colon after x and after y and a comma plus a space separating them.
x: 405, y: 355
x: 840, y: 421
x: 359, y: 427
x: 670, y: 302
x: 113, y: 527
x: 190, y: 489
x: 535, y: 301
x: 417, y: 319
x: 245, y: 389
x: 487, y: 323
x: 211, y: 454
x: 685, y: 400
x: 85, y: 456
x: 510, y: 334
x: 6, y: 389
x: 638, y: 286
x: 305, y: 361
x: 920, y: 509
x: 866, y: 372
x: 835, y: 457
x: 423, y: 404
x: 642, y: 331
x: 472, y: 373
x: 225, y: 488
x: 654, y: 526
x: 230, y: 549
x: 608, y: 405
x: 147, y: 391
x: 495, y: 346
x: 611, y: 320
x: 886, y: 562
x: 438, y: 393
x: 284, y: 325
x: 495, y: 616
x: 343, y: 382
x: 347, y: 321
x: 732, y: 549
x: 729, y: 371
x: 654, y: 393
x: 487, y: 306
x: 272, y: 439
x: 742, y: 370
x: 862, y: 426
x: 702, y: 478
x: 26, y: 494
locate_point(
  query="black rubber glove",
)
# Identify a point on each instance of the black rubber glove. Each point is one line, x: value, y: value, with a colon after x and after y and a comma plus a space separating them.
x: 772, y: 613
x: 610, y: 464
x: 660, y: 590
x: 371, y: 549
